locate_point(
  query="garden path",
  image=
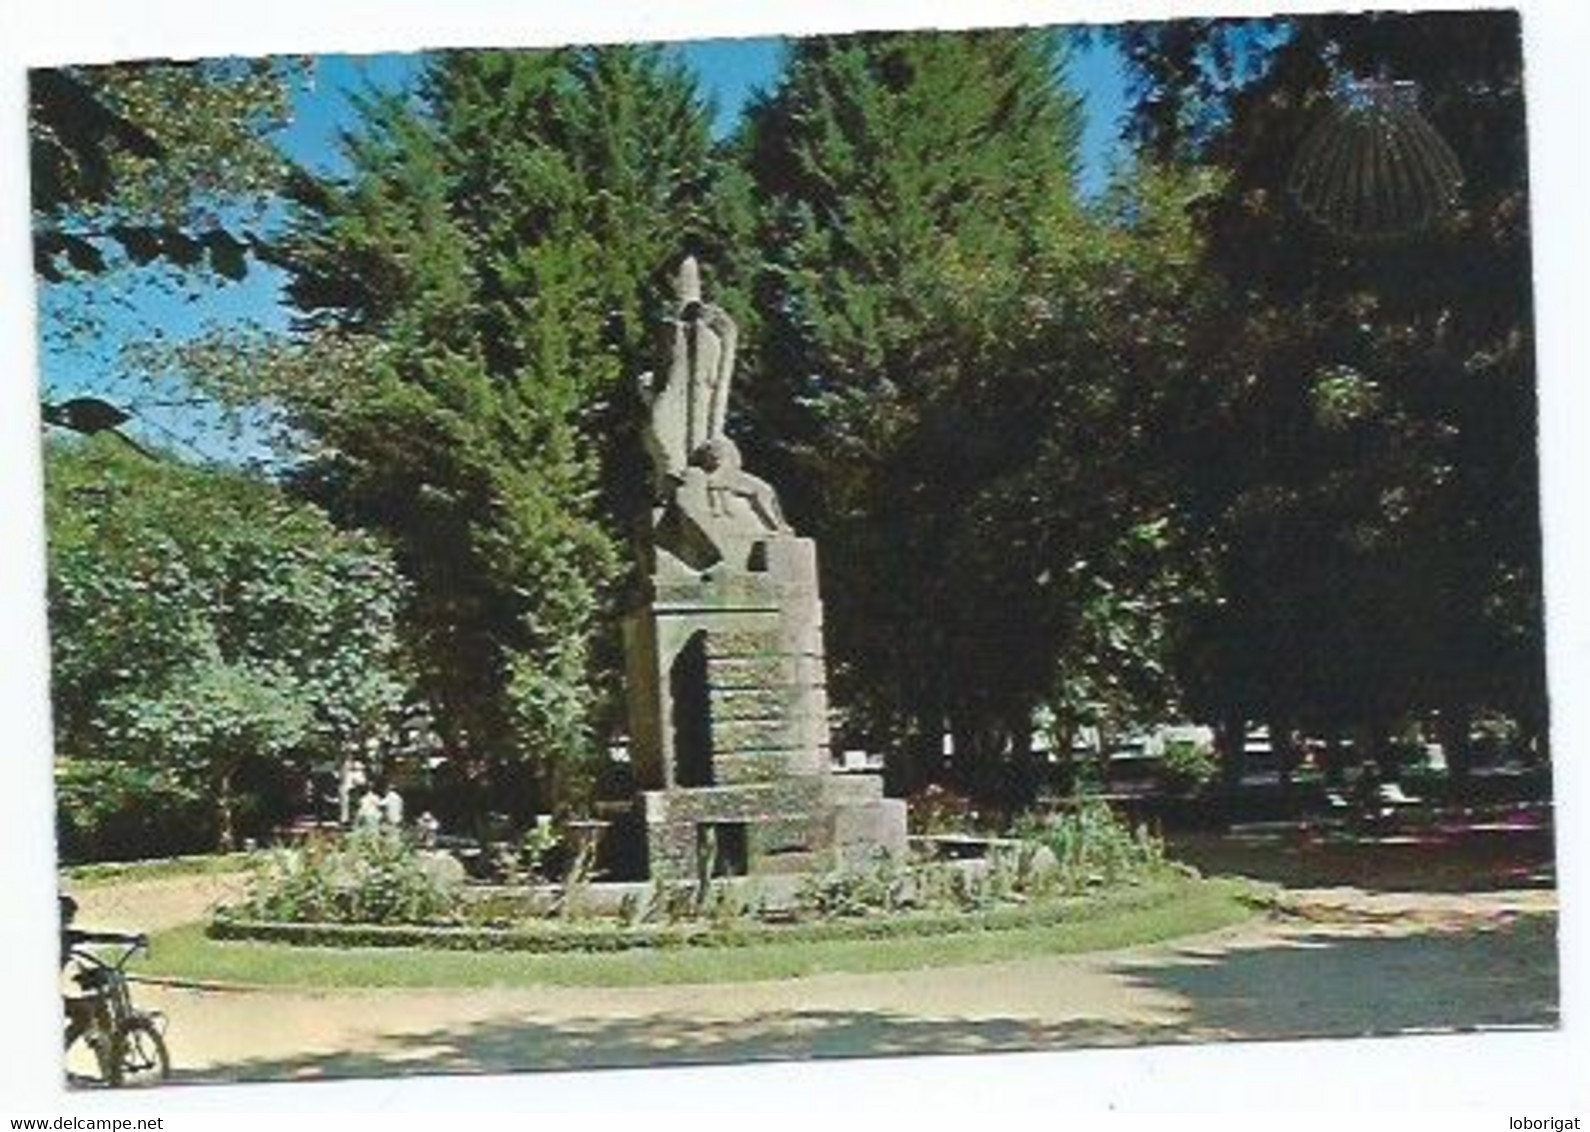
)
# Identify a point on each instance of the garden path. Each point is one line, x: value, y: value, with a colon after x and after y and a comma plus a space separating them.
x: 1351, y: 963
x: 153, y: 905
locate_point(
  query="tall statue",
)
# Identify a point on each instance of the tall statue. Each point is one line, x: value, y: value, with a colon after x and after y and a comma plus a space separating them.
x: 724, y: 666
x: 696, y: 467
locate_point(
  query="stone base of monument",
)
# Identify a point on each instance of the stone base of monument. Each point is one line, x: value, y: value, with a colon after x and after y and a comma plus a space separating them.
x: 729, y: 722
x: 804, y: 824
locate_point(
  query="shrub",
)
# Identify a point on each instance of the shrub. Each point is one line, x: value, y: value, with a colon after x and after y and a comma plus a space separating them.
x: 846, y: 892
x: 1189, y: 766
x: 369, y: 877
x: 115, y: 811
x: 937, y: 810
x: 1092, y: 845
x: 1006, y: 877
x: 1494, y: 735
x: 549, y: 936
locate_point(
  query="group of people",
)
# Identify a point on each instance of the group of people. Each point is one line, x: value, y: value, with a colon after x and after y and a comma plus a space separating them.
x: 379, y: 808
x: 383, y: 809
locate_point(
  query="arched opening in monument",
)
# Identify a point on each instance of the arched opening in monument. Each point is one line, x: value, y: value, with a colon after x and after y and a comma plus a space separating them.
x: 722, y: 849
x: 692, y: 714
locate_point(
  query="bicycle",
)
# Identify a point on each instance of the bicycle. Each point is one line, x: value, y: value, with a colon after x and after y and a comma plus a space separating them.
x: 128, y: 1043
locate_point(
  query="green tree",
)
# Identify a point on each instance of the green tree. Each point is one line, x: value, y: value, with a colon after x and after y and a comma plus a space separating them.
x: 1068, y: 554
x: 199, y: 620
x: 150, y: 175
x: 1377, y: 507
x: 477, y: 296
x: 960, y: 373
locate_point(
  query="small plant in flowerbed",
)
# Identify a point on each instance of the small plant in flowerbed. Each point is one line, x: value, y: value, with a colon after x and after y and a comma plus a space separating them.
x: 1092, y: 846
x: 368, y: 877
x: 938, y: 810
x: 1064, y: 854
x: 884, y: 887
x: 525, y: 861
x: 375, y: 889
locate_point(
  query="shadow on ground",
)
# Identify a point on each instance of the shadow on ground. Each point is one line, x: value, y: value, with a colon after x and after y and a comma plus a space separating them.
x: 1321, y: 984
x: 675, y: 1039
x: 1309, y: 985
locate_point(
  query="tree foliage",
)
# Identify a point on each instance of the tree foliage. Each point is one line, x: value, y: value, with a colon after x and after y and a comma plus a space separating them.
x: 966, y: 376
x: 476, y: 295
x: 1377, y: 512
x: 1174, y: 449
x: 135, y: 163
x: 200, y: 620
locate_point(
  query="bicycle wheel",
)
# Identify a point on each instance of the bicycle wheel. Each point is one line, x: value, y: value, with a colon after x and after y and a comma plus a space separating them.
x: 138, y: 1054
x: 87, y: 1061
x: 88, y: 1055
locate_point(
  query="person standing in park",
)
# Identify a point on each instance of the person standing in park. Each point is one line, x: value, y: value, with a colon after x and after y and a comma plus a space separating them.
x: 392, y: 807
x: 369, y: 813
x: 350, y: 777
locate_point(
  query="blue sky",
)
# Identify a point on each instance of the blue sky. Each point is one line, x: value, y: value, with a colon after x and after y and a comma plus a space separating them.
x: 730, y: 72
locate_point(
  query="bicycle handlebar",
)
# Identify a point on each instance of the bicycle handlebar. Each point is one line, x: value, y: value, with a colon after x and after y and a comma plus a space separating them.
x: 134, y: 942
x: 130, y: 938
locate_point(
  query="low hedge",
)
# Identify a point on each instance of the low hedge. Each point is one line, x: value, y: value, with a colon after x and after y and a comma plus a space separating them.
x: 608, y: 936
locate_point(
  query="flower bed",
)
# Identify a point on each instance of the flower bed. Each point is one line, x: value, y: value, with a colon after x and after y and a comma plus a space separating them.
x: 606, y: 935
x: 378, y: 890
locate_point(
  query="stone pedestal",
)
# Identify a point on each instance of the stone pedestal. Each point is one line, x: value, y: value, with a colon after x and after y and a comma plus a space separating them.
x: 729, y: 722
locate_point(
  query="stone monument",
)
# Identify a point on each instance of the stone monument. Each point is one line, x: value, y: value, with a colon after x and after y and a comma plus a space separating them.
x: 728, y: 706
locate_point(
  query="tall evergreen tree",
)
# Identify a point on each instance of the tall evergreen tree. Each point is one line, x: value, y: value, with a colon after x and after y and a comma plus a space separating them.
x: 476, y: 295
x: 901, y: 178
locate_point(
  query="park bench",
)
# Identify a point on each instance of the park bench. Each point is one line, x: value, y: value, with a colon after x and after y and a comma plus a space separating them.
x: 1390, y: 800
x: 959, y: 846
x: 1391, y: 794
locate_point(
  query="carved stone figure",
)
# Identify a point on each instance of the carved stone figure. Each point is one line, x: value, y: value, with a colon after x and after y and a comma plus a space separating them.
x: 733, y: 492
x: 690, y: 409
x: 708, y: 505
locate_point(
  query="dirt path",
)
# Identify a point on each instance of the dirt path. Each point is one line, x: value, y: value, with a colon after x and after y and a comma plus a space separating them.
x: 1350, y: 964
x: 153, y: 905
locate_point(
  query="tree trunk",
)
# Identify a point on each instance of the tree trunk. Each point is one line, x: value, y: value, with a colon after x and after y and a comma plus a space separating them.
x: 992, y: 760
x: 1283, y: 751
x: 1060, y: 772
x: 1386, y: 751
x: 975, y: 763
x: 1335, y: 758
x: 1452, y: 732
x: 224, y: 811
x: 1024, y: 769
x: 1104, y: 737
x: 1231, y: 737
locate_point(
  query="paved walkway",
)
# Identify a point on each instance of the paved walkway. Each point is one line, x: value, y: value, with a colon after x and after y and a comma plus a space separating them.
x: 1350, y: 963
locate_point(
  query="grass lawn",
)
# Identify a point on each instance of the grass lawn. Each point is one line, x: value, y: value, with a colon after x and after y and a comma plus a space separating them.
x: 1114, y: 920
